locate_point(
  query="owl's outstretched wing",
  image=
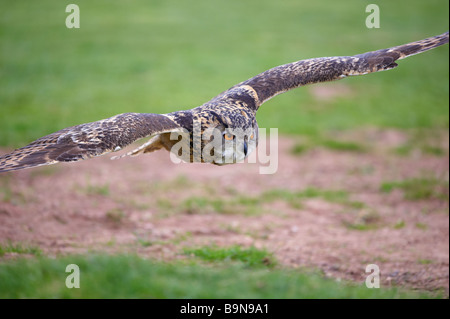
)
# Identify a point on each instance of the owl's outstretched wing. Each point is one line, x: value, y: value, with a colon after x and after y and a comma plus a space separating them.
x: 289, y: 76
x: 97, y: 138
x: 88, y: 140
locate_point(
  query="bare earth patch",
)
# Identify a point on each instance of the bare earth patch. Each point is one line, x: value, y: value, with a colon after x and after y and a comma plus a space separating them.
x: 152, y: 207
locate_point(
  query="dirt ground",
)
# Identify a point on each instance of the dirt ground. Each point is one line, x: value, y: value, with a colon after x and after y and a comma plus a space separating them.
x: 144, y: 205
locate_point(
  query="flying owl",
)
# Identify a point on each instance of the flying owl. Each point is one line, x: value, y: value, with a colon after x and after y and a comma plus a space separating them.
x: 228, y: 120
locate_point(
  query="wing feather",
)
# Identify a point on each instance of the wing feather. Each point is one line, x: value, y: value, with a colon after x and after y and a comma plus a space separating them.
x: 88, y: 140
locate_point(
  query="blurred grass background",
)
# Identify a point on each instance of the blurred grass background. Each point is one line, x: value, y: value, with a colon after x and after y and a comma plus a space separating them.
x: 128, y: 276
x: 161, y: 56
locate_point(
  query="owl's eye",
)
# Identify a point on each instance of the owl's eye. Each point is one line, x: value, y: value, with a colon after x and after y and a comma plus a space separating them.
x: 252, y: 136
x: 228, y: 136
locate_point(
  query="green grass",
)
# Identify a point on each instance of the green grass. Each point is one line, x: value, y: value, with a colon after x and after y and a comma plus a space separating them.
x: 5, y: 189
x: 295, y: 199
x: 427, y: 141
x: 8, y: 195
x: 433, y: 150
x: 405, y: 150
x: 300, y: 149
x: 334, y: 145
x: 162, y: 56
x: 419, y: 188
x: 102, y: 190
x: 207, y: 205
x: 249, y: 257
x: 253, y: 205
x: 133, y: 277
x: 342, y: 146
x: 425, y: 261
x: 400, y: 224
x: 422, y: 226
x: 116, y: 215
x: 364, y: 222
x: 19, y: 248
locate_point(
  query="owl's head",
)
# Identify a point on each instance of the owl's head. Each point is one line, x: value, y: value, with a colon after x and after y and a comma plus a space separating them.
x: 232, y: 139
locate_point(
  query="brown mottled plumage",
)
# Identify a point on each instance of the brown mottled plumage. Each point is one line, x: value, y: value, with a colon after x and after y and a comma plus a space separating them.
x: 233, y: 109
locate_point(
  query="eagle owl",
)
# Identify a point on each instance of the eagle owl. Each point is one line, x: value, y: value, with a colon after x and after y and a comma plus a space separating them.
x: 228, y: 120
